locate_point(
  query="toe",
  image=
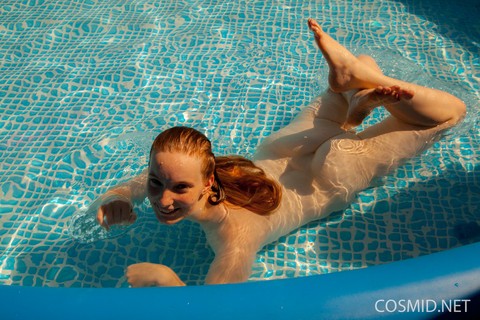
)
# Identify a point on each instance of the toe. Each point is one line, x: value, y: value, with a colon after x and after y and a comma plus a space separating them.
x: 407, y: 94
x: 310, y: 21
x: 314, y: 26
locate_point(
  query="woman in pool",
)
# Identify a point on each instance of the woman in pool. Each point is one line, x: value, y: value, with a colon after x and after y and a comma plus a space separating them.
x: 305, y: 171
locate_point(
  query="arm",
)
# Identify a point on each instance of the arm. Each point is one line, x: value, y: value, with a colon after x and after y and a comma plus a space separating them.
x: 231, y: 266
x: 150, y: 274
x: 117, y: 203
x: 135, y: 189
x: 234, y: 257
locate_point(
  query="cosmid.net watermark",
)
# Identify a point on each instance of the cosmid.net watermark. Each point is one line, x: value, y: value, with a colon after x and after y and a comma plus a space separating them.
x: 421, y: 305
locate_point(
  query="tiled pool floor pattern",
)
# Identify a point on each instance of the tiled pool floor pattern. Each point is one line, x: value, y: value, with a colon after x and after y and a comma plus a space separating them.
x: 86, y: 85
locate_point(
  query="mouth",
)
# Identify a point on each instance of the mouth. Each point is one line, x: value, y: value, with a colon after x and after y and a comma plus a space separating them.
x: 168, y: 216
x: 169, y: 213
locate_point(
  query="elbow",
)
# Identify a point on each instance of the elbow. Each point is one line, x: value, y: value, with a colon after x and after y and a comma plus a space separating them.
x: 459, y: 111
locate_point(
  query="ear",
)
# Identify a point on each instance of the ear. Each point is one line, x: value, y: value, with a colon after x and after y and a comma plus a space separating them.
x: 210, y: 181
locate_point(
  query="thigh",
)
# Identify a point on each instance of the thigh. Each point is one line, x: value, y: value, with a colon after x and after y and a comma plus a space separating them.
x: 315, y: 124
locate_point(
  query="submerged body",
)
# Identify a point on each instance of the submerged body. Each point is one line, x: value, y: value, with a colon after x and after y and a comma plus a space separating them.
x: 318, y: 162
x: 314, y: 183
x: 321, y: 177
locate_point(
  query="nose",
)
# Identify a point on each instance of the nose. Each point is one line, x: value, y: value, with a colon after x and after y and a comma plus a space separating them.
x: 165, y: 199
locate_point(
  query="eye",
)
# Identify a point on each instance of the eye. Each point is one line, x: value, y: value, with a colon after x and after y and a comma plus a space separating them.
x: 182, y: 187
x: 154, y: 182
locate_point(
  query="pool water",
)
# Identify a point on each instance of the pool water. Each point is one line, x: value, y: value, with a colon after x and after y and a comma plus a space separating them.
x: 86, y: 85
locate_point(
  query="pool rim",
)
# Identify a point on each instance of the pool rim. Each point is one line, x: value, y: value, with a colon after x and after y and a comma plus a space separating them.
x: 452, y: 274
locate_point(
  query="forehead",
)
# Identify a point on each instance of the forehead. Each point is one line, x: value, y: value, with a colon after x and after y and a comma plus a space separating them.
x: 175, y: 166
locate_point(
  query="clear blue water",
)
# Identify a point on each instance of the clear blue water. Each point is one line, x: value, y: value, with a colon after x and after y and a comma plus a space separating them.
x: 85, y: 86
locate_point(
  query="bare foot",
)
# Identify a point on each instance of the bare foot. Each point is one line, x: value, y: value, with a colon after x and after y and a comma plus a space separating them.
x: 346, y: 71
x: 369, y: 61
x: 364, y: 101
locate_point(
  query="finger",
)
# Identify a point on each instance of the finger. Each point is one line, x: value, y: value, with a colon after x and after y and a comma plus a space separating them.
x: 133, y: 217
x: 127, y: 212
x: 124, y: 214
x: 130, y: 275
x: 112, y: 214
x: 109, y: 216
x: 100, y: 215
x: 101, y: 218
x: 117, y: 210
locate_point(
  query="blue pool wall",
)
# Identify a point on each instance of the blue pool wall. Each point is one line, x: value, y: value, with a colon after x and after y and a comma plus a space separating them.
x: 451, y: 275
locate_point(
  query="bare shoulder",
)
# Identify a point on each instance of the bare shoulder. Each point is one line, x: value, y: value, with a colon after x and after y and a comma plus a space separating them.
x: 240, y: 229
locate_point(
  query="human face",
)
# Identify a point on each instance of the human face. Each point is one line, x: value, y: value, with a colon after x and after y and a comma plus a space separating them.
x: 176, y: 187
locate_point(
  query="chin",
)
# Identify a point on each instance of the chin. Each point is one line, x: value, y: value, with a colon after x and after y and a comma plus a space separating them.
x: 169, y: 219
x: 170, y: 222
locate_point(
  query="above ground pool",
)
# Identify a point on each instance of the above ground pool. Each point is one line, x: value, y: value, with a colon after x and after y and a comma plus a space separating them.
x: 85, y: 86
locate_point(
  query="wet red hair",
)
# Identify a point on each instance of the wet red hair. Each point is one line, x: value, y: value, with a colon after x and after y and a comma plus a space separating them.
x: 238, y: 181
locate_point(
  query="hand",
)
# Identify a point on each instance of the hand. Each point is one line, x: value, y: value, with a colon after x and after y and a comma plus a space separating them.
x: 149, y: 274
x: 117, y: 211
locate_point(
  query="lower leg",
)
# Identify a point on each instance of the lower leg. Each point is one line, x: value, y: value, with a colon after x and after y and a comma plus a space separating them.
x: 416, y: 104
x: 362, y: 102
x: 367, y: 60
